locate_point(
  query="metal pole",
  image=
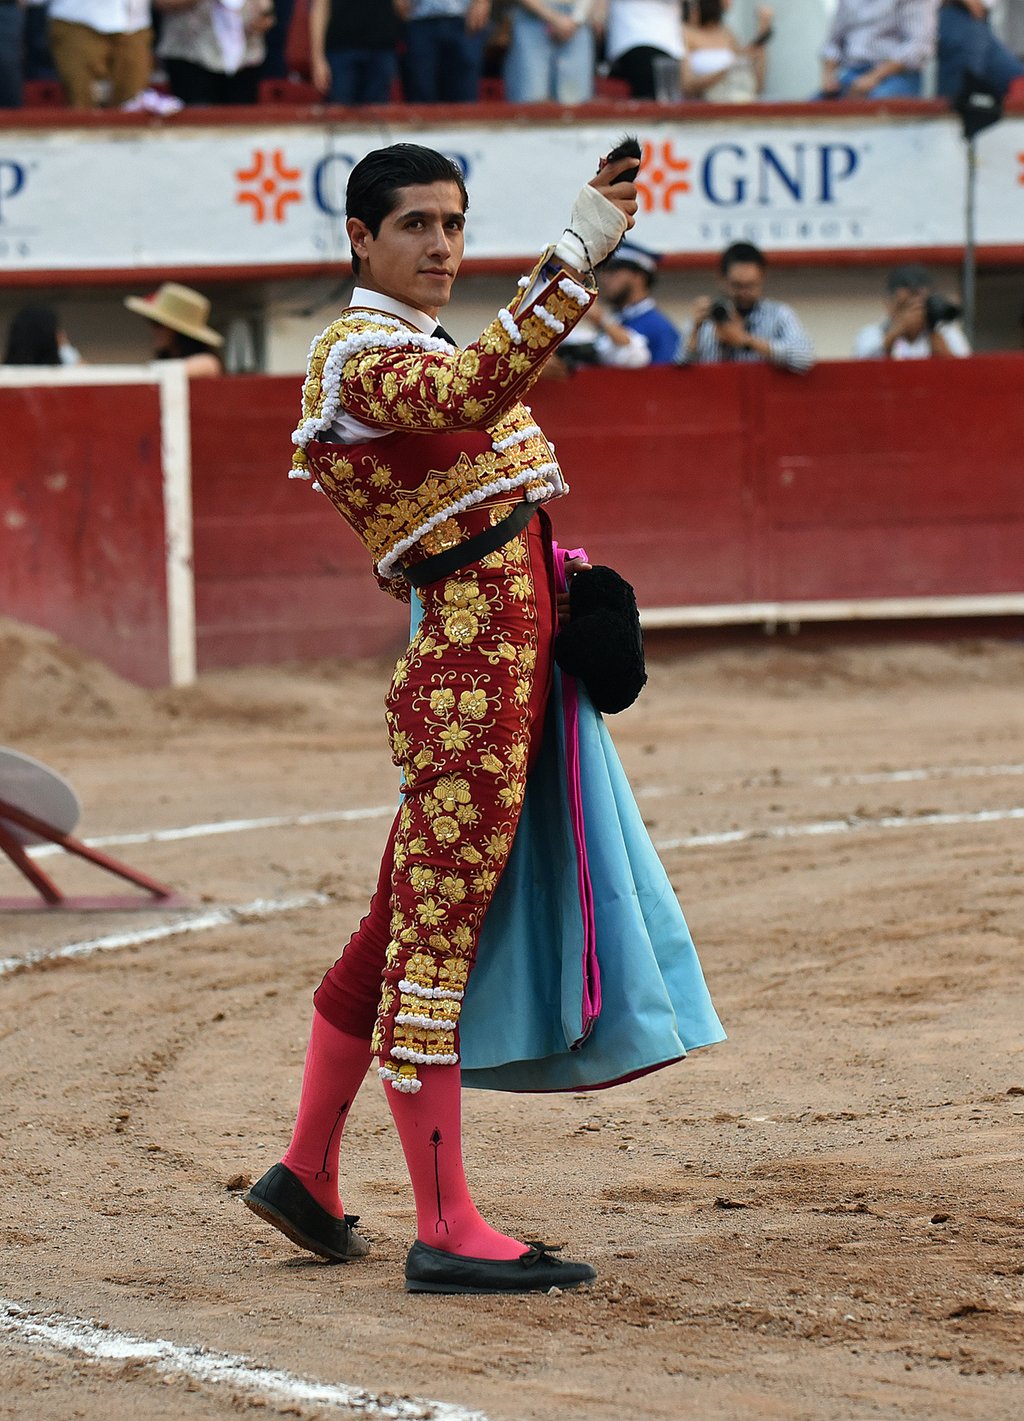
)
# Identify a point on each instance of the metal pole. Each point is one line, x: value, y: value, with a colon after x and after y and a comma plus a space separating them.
x: 970, y: 243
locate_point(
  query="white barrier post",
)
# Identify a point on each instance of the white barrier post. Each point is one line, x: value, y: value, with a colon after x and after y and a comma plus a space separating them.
x: 176, y: 462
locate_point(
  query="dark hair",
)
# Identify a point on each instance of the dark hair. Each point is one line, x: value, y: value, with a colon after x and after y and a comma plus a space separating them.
x: 615, y: 263
x: 709, y: 12
x: 376, y: 180
x: 182, y: 346
x: 912, y: 277
x: 741, y: 252
x: 32, y: 338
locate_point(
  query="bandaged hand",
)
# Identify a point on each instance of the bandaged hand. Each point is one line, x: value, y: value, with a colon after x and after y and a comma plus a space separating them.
x: 601, y: 216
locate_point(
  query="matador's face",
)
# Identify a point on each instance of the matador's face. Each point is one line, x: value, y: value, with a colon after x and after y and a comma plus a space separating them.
x: 417, y: 253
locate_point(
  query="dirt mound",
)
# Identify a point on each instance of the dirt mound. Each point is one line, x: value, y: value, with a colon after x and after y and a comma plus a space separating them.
x: 47, y: 685
x: 49, y: 688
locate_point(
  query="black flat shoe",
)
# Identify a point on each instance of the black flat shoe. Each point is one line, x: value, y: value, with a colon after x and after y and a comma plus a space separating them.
x: 430, y: 1270
x: 284, y: 1201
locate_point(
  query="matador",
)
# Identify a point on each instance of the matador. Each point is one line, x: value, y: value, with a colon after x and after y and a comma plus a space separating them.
x: 430, y: 454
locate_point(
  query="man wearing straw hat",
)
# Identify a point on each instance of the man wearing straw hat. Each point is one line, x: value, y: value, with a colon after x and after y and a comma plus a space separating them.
x: 178, y: 316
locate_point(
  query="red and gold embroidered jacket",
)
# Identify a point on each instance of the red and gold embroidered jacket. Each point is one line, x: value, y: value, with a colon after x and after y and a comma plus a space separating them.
x: 458, y: 430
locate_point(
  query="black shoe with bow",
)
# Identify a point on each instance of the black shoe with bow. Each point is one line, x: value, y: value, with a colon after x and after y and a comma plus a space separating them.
x: 430, y: 1270
x: 279, y: 1198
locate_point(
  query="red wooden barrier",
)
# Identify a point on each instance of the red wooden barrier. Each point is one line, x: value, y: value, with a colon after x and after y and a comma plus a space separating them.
x: 279, y: 575
x: 82, y: 547
x: 723, y: 485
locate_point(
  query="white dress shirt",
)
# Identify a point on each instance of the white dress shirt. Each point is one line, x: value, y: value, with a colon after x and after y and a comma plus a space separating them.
x: 108, y: 17
x: 634, y: 23
x: 870, y: 343
x: 869, y: 32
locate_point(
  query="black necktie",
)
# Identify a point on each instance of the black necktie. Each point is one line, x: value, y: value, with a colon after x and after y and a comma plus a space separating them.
x: 440, y: 333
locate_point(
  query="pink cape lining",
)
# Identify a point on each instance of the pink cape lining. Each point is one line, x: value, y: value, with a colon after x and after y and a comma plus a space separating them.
x: 591, y: 1003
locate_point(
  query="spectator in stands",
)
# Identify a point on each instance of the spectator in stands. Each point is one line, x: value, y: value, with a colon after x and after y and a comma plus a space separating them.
x: 212, y: 49
x: 101, y: 45
x: 876, y: 49
x: 12, y: 30
x: 717, y: 67
x: 353, y: 47
x: 551, y: 52
x: 178, y: 316
x: 638, y: 334
x: 644, y: 45
x: 275, y: 61
x: 38, y: 60
x: 742, y: 324
x: 445, y: 41
x: 35, y: 337
x: 968, y: 46
x: 918, y: 323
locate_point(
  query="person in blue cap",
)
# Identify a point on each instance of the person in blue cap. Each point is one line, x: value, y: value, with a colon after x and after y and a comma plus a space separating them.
x: 633, y: 333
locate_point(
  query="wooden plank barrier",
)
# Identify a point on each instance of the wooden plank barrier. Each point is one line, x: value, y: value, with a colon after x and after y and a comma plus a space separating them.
x: 725, y: 494
x: 82, y: 531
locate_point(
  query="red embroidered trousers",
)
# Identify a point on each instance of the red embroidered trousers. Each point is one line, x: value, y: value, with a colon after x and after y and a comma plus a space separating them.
x: 465, y: 712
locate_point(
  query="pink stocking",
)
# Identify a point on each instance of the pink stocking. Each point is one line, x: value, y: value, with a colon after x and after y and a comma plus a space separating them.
x: 336, y: 1064
x: 430, y: 1127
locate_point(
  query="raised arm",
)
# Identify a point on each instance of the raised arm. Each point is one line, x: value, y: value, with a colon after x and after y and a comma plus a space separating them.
x: 388, y: 376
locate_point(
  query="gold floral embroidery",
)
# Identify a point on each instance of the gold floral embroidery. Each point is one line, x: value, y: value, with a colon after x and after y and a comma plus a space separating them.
x: 464, y: 767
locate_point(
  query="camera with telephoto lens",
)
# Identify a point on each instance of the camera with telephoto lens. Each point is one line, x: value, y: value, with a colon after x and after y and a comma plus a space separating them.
x: 721, y: 311
x: 938, y: 310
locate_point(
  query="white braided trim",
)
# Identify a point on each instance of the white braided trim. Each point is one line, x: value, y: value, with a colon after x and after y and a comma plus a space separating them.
x: 552, y: 322
x: 379, y: 318
x: 524, y: 282
x: 554, y: 489
x: 431, y: 1023
x: 399, y: 1083
x: 420, y: 1058
x: 519, y: 437
x: 342, y: 351
x: 574, y: 292
x: 429, y: 994
x: 511, y: 329
x: 299, y: 474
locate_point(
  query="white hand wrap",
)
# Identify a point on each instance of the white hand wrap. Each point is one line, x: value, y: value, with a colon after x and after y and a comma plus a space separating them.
x: 595, y: 229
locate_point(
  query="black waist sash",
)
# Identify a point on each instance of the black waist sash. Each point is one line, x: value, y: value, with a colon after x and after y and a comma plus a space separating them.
x: 488, y: 540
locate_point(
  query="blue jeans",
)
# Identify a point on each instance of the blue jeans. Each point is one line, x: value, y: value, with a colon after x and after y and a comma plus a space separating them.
x: 275, y: 65
x: 906, y: 85
x: 537, y: 67
x: 443, y: 62
x: 362, y: 76
x: 12, y: 23
x: 968, y: 46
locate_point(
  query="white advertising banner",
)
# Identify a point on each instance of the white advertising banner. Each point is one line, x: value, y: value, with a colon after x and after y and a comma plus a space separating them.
x: 266, y: 196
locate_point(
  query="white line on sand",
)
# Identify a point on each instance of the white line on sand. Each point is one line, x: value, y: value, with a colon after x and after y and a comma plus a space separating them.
x: 192, y: 923
x: 77, y: 1337
x: 932, y: 772
x: 226, y: 826
x: 263, y: 907
x: 387, y: 811
x: 851, y: 825
x: 873, y: 777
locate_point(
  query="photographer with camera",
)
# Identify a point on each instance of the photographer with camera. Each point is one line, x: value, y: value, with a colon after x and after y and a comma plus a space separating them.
x: 920, y: 322
x: 742, y: 323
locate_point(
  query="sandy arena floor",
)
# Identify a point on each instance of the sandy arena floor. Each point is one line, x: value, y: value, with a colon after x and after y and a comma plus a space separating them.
x: 820, y: 1219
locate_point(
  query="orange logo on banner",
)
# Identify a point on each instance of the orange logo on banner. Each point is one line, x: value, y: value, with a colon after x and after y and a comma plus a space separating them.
x: 1020, y: 175
x: 271, y: 181
x: 661, y: 176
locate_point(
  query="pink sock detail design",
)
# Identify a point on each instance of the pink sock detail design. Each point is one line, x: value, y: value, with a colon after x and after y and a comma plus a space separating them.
x: 335, y: 1067
x: 429, y: 1125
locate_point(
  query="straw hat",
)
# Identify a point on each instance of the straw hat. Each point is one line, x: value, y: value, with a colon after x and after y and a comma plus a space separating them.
x: 178, y: 307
